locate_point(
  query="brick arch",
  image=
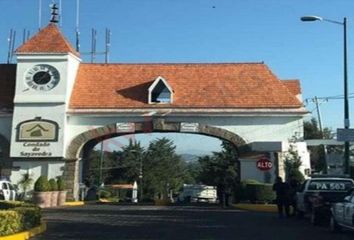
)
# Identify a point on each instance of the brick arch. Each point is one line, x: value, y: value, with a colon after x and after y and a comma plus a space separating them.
x: 77, y: 146
x: 5, y: 161
x: 157, y: 125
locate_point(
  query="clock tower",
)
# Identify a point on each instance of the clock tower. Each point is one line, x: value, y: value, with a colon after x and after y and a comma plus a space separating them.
x: 46, y: 70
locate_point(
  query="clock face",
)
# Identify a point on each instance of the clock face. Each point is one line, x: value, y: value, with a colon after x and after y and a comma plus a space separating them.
x: 42, y: 77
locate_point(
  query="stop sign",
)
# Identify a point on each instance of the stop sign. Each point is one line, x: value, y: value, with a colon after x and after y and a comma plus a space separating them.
x: 264, y: 164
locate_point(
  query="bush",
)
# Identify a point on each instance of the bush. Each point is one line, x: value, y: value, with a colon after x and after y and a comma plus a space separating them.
x: 104, y: 194
x: 31, y: 216
x: 4, y: 205
x: 53, y: 185
x: 18, y: 217
x: 61, y: 184
x: 254, y: 191
x: 10, y: 222
x: 259, y: 192
x: 42, y: 184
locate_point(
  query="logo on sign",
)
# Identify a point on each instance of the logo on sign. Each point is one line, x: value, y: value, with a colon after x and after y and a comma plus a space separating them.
x: 37, y: 129
x: 264, y: 164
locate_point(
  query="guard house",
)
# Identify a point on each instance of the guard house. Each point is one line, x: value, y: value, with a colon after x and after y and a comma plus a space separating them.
x: 54, y: 108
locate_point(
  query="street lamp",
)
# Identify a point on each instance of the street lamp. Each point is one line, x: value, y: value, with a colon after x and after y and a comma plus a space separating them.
x: 346, y: 102
x: 140, y: 172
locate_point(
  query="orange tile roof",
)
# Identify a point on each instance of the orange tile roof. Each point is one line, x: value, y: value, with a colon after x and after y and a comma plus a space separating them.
x: 47, y: 40
x: 293, y: 86
x: 7, y: 83
x: 242, y: 85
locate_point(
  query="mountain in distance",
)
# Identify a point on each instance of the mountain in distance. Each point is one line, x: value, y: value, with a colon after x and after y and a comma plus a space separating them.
x: 193, y: 155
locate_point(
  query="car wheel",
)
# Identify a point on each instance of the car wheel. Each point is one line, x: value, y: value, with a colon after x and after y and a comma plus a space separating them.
x: 333, y: 225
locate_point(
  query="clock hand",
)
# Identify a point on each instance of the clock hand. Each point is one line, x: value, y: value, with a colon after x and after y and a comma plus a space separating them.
x: 43, y: 77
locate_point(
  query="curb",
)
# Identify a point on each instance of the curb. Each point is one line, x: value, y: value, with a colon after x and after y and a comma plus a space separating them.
x: 27, y: 234
x: 257, y: 207
x: 78, y: 203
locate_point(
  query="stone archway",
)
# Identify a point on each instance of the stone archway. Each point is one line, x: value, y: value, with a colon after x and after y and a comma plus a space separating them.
x: 76, y: 146
x: 5, y: 161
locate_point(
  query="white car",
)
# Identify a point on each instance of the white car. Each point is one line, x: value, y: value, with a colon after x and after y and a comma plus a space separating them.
x: 343, y: 214
x: 7, y: 191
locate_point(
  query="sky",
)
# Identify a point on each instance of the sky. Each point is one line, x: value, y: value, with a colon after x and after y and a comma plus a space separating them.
x: 200, y: 31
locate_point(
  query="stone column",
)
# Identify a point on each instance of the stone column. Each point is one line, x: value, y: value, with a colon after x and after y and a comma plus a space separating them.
x: 71, y: 177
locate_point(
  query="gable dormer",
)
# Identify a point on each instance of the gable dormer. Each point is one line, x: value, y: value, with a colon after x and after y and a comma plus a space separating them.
x: 160, y: 92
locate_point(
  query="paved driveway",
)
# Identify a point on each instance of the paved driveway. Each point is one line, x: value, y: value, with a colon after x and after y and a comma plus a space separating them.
x: 149, y: 222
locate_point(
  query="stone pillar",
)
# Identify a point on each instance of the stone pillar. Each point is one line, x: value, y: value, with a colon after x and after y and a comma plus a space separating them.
x: 71, y: 177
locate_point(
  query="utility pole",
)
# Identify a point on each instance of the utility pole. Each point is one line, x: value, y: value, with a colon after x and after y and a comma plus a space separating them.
x: 319, y: 117
x: 317, y: 102
x: 100, y: 165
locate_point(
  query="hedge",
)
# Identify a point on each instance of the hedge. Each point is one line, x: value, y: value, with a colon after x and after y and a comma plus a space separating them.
x: 4, y: 205
x: 259, y: 192
x: 18, y: 217
x: 254, y: 191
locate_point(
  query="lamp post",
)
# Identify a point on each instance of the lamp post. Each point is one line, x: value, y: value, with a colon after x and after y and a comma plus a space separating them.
x: 140, y: 172
x: 346, y: 102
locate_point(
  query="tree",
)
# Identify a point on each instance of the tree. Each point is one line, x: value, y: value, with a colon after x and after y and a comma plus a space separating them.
x: 25, y: 183
x: 312, y: 131
x: 221, y: 170
x: 292, y: 164
x: 163, y: 169
x: 317, y: 153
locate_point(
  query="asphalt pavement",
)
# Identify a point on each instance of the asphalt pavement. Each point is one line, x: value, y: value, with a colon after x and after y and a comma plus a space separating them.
x: 111, y: 222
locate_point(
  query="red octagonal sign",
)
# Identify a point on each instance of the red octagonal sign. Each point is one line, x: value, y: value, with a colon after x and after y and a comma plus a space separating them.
x: 264, y: 164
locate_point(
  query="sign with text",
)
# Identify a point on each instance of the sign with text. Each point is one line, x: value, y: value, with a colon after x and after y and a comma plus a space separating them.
x: 125, y: 127
x: 345, y: 134
x: 264, y: 164
x: 189, y: 127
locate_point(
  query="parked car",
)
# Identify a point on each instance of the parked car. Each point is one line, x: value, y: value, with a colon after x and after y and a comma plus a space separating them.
x: 8, y: 191
x: 317, y: 194
x: 342, y: 214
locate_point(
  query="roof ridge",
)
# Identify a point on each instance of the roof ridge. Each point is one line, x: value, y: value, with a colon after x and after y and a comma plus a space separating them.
x: 200, y: 63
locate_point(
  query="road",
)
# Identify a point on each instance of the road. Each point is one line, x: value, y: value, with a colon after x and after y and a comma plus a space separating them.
x: 110, y: 222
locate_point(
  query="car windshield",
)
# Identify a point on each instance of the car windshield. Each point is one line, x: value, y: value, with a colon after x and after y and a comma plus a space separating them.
x: 330, y: 185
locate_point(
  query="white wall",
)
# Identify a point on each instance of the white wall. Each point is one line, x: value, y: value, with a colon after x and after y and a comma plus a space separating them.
x: 249, y: 128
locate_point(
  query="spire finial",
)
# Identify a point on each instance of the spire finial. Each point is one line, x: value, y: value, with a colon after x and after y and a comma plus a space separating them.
x: 54, y: 13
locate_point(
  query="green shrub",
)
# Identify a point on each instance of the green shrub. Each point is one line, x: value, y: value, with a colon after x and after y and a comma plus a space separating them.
x: 30, y: 216
x: 254, y: 191
x: 4, y: 205
x: 240, y: 190
x: 42, y: 184
x: 104, y: 194
x: 61, y: 184
x: 10, y: 222
x: 53, y: 185
x: 19, y: 217
x: 259, y: 192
